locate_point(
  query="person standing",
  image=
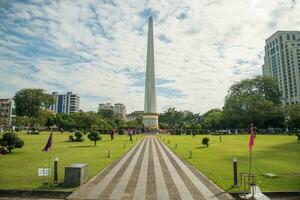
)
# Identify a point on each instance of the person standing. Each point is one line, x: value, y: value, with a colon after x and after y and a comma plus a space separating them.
x: 130, y: 134
x: 112, y: 133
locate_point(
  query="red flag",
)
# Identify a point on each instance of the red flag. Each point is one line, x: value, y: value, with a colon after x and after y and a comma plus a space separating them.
x: 49, y: 143
x: 251, y: 140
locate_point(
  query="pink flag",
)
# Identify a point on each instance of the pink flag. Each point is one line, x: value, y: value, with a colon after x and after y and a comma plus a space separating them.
x: 251, y: 140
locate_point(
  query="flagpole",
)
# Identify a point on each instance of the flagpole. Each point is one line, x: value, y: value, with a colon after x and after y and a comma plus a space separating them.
x: 49, y: 158
x: 49, y: 170
x: 250, y: 157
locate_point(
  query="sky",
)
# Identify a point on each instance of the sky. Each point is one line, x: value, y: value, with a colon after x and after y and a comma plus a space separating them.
x: 97, y: 49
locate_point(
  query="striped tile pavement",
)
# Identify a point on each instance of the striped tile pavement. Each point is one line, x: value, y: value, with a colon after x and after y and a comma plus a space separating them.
x: 150, y: 170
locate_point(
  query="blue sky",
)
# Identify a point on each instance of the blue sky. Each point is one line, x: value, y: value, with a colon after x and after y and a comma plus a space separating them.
x: 98, y: 48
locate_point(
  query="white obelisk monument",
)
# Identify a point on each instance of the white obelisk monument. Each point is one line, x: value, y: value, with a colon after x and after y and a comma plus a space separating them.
x: 150, y: 117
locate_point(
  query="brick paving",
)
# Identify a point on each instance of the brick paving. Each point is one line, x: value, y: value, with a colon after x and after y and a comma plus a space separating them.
x: 151, y: 171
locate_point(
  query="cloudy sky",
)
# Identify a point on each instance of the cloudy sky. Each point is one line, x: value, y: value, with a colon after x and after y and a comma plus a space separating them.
x: 98, y: 48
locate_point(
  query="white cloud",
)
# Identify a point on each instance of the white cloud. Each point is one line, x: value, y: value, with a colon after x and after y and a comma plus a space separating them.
x: 92, y: 43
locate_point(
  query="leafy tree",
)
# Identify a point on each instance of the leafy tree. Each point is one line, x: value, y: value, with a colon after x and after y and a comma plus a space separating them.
x: 30, y: 102
x: 254, y: 101
x: 10, y: 141
x: 107, y: 114
x: 95, y: 136
x: 213, y: 119
x: 292, y: 116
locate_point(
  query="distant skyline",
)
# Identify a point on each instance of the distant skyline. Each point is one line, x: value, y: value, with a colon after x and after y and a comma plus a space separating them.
x: 97, y: 49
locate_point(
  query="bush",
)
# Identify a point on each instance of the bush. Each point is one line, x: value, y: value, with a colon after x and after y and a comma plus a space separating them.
x: 121, y: 132
x: 71, y: 138
x: 10, y: 141
x: 205, y: 141
x: 78, y: 136
x: 95, y: 136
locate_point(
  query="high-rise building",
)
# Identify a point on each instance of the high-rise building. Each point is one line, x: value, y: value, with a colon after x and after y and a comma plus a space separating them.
x: 65, y: 103
x: 282, y: 62
x: 5, y: 112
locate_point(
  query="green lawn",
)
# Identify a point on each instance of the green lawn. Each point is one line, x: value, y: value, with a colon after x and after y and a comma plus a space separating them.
x: 273, y: 154
x: 19, y: 169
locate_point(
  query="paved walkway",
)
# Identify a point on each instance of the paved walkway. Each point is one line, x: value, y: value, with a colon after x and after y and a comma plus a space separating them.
x: 150, y: 171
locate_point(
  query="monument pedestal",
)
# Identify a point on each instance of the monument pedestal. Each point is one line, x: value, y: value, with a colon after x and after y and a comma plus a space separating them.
x: 150, y: 121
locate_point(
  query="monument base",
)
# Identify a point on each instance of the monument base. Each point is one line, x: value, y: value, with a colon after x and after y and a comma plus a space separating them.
x: 150, y: 121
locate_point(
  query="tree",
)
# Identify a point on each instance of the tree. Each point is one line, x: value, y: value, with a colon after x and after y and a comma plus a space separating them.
x: 31, y: 102
x: 213, y: 119
x: 256, y: 101
x: 95, y: 136
x: 10, y: 141
x: 292, y: 116
x: 107, y: 114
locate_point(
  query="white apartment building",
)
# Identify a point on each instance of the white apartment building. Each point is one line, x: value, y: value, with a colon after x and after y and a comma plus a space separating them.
x: 282, y: 62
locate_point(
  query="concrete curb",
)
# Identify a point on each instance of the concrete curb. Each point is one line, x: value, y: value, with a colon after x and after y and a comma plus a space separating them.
x: 34, y: 193
x: 277, y: 195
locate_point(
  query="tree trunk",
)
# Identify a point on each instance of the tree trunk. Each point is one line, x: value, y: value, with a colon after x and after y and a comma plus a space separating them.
x: 95, y: 143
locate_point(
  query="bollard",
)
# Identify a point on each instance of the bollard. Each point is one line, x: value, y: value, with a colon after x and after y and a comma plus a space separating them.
x: 168, y: 141
x: 124, y: 145
x: 56, y: 171
x: 190, y: 153
x: 176, y: 146
x: 235, y: 176
x: 109, y: 153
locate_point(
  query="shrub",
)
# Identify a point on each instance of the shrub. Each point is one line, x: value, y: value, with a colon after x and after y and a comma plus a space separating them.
x: 71, y: 138
x: 121, y: 132
x: 9, y: 142
x: 95, y: 136
x: 205, y: 141
x: 78, y: 136
x: 194, y: 133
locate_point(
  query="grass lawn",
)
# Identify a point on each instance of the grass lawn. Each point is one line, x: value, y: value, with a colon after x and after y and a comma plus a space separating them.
x: 19, y: 169
x: 273, y: 154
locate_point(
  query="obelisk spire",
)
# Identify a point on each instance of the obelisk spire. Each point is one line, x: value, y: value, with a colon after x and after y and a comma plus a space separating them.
x: 150, y: 111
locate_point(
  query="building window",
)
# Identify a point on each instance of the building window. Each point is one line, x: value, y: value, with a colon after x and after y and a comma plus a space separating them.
x: 293, y: 37
x: 288, y: 37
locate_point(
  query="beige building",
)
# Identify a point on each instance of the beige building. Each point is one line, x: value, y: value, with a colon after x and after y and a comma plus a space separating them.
x: 5, y: 112
x: 282, y: 62
x: 118, y: 108
x: 134, y: 115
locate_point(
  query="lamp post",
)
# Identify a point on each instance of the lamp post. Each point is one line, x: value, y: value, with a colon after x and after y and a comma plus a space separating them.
x: 235, y: 176
x: 56, y: 171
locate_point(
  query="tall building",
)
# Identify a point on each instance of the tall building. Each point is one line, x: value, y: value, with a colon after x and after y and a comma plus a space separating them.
x: 65, y: 103
x: 118, y: 108
x: 5, y: 112
x: 150, y: 117
x: 282, y: 62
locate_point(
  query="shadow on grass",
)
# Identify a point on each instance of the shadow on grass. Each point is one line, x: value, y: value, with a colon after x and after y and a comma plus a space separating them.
x: 202, y: 147
x: 82, y: 146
